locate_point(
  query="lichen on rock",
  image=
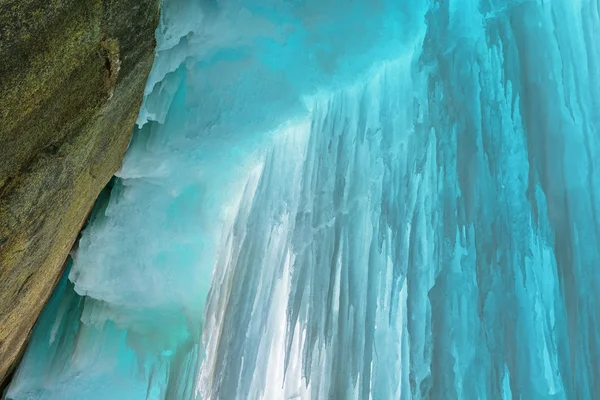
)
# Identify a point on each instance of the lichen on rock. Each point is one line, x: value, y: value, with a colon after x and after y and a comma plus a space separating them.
x: 112, y: 62
x: 73, y: 75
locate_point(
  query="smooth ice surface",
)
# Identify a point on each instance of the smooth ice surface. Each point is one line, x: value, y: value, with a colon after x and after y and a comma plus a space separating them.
x: 345, y: 200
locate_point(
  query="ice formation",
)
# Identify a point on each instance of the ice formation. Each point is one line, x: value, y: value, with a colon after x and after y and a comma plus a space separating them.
x: 345, y: 200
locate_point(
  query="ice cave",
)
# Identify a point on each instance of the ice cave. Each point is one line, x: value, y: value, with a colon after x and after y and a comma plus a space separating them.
x: 344, y: 199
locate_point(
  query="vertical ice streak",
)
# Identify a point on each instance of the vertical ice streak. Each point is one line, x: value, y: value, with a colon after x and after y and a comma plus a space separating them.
x: 328, y: 251
x: 444, y: 240
x: 333, y: 200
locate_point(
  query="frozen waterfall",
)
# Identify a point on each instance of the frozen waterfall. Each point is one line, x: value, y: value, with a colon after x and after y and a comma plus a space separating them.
x: 332, y: 199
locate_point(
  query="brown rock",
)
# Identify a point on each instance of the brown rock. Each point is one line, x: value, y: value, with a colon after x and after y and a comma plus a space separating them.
x: 72, y: 75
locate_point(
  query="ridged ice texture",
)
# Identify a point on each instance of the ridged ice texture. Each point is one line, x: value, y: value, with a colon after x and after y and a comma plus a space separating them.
x: 423, y: 225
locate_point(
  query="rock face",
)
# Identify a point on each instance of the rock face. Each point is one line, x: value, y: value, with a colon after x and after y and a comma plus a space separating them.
x: 72, y: 79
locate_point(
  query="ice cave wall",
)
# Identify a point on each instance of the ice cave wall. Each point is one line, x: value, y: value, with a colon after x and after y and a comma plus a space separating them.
x: 365, y: 200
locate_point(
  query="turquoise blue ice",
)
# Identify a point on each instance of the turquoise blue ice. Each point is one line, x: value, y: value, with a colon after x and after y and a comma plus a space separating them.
x: 335, y: 199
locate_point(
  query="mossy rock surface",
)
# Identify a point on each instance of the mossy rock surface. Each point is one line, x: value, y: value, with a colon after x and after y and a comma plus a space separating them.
x: 72, y: 76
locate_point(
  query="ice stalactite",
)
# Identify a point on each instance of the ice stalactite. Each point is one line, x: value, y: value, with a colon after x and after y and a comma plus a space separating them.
x: 440, y: 238
x: 376, y: 201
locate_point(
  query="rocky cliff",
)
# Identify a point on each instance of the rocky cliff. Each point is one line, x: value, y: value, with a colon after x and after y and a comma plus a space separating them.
x: 72, y: 75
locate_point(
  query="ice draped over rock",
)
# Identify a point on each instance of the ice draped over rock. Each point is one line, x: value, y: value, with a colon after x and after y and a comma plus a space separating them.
x: 345, y: 200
